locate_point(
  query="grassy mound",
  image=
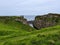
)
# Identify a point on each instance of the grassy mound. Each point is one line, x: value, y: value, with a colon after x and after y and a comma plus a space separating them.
x: 16, y: 33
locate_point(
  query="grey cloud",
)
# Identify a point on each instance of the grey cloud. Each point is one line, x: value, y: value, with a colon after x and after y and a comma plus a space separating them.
x: 28, y: 7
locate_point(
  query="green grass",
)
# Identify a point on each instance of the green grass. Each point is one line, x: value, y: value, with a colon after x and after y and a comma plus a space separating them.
x: 16, y: 33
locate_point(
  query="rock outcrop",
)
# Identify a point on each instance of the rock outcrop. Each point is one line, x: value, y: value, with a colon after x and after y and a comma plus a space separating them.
x: 46, y: 20
x: 22, y: 19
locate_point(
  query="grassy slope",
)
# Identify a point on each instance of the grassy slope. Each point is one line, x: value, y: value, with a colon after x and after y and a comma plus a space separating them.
x: 15, y: 33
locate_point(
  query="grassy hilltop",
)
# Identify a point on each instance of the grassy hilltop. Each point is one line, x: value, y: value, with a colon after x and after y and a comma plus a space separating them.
x: 16, y: 33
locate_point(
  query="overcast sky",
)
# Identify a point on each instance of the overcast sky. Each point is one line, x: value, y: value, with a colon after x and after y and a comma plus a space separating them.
x: 29, y: 7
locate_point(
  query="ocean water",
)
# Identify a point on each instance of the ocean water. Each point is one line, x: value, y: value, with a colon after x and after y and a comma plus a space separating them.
x: 29, y: 17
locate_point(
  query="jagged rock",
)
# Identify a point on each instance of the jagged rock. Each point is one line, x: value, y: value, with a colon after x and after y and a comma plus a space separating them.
x: 22, y: 19
x: 46, y: 20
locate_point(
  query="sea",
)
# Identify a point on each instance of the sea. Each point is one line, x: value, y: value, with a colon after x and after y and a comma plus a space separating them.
x: 30, y: 18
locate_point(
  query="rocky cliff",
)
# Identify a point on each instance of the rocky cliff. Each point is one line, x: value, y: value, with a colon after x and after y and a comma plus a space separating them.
x: 46, y: 20
x: 42, y: 21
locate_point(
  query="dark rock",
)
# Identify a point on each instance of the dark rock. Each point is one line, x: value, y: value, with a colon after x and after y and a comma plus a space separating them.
x: 46, y: 20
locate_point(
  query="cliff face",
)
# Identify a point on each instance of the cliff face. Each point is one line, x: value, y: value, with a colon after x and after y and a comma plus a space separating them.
x: 46, y: 20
